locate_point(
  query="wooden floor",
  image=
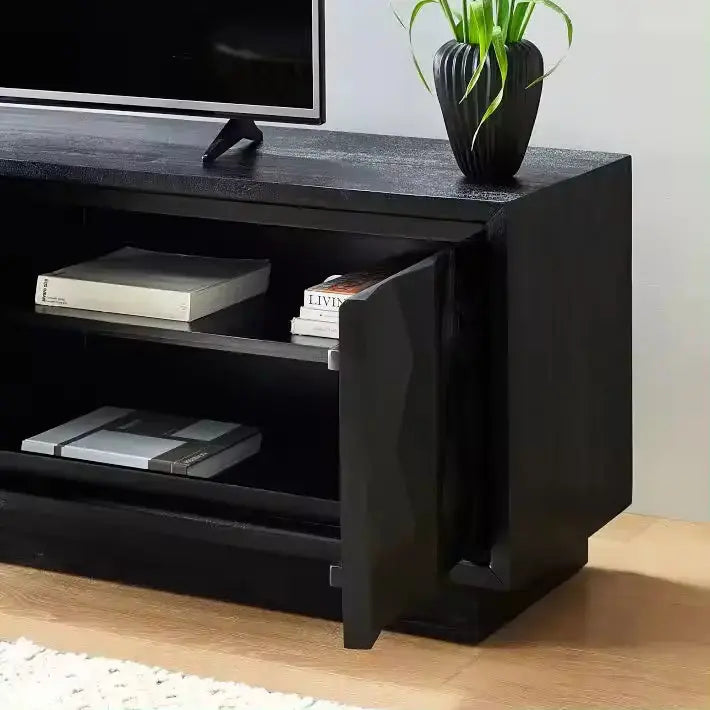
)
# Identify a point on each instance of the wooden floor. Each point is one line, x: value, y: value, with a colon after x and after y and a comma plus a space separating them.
x: 630, y: 631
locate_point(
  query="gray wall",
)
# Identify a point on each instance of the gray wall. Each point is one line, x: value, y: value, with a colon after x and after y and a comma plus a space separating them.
x: 635, y: 82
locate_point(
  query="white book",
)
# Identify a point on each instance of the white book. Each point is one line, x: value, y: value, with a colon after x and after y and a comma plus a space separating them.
x: 200, y: 448
x: 335, y: 290
x: 314, y: 341
x: 318, y: 328
x: 137, y: 282
x: 319, y: 314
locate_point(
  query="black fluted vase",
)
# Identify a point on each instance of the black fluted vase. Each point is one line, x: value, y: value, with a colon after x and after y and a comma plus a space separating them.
x: 503, y: 140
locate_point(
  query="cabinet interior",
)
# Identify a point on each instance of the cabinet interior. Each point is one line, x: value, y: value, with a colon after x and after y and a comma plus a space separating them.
x: 53, y: 375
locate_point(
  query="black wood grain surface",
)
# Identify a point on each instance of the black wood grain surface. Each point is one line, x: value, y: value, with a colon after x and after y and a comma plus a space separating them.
x: 390, y: 448
x: 301, y: 167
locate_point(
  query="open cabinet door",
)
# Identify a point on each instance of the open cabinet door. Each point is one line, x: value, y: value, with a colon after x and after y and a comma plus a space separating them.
x: 390, y: 414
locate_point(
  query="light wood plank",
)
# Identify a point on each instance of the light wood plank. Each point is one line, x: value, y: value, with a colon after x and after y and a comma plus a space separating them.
x: 625, y: 528
x: 280, y: 651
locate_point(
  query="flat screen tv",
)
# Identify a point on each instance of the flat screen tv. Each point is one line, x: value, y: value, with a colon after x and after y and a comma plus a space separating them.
x: 238, y: 59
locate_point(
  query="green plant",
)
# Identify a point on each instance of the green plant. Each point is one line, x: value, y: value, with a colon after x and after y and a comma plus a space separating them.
x: 488, y: 24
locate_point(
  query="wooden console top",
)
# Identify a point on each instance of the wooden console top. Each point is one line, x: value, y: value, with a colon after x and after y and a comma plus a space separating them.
x: 294, y: 166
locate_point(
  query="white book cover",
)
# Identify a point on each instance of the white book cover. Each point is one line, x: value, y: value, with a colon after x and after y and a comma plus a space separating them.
x: 137, y: 282
x: 319, y: 314
x: 319, y: 328
x: 153, y: 442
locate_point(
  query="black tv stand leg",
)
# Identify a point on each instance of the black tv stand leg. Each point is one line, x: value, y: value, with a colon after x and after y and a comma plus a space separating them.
x: 234, y: 130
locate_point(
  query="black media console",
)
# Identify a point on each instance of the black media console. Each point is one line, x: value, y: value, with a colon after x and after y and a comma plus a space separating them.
x: 437, y: 472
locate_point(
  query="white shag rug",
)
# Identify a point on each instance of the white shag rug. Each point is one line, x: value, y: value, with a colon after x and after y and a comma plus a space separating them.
x: 36, y: 678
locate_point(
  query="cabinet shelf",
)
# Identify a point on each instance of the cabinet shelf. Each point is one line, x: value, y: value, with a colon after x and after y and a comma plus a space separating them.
x: 104, y: 515
x: 256, y: 327
x: 229, y: 491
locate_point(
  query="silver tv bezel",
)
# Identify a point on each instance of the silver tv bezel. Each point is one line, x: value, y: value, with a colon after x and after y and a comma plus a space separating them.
x: 148, y: 105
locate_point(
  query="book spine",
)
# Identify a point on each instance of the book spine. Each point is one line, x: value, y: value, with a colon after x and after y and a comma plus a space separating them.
x: 229, y: 293
x: 321, y: 329
x: 59, y: 292
x: 322, y: 301
x: 319, y: 314
x: 226, y: 459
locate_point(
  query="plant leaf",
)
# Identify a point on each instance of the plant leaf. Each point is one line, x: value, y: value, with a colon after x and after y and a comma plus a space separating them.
x: 498, y: 42
x: 516, y: 21
x: 412, y: 20
x: 473, y: 23
x: 490, y: 21
x: 446, y: 9
x: 526, y: 19
x: 465, y: 21
x: 482, y: 39
x: 570, y: 33
x: 503, y: 19
x: 397, y: 15
x: 459, y: 29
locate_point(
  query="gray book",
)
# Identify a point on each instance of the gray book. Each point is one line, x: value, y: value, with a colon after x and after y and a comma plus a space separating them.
x: 136, y: 282
x: 202, y: 448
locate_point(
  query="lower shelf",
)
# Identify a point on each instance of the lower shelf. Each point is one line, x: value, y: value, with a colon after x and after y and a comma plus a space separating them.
x: 221, y: 495
x: 97, y: 517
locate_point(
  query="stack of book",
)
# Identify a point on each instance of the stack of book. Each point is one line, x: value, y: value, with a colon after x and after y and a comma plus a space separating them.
x: 320, y: 313
x: 163, y: 443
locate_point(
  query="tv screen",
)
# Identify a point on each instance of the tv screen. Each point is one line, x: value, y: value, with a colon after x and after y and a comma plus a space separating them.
x: 209, y: 57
